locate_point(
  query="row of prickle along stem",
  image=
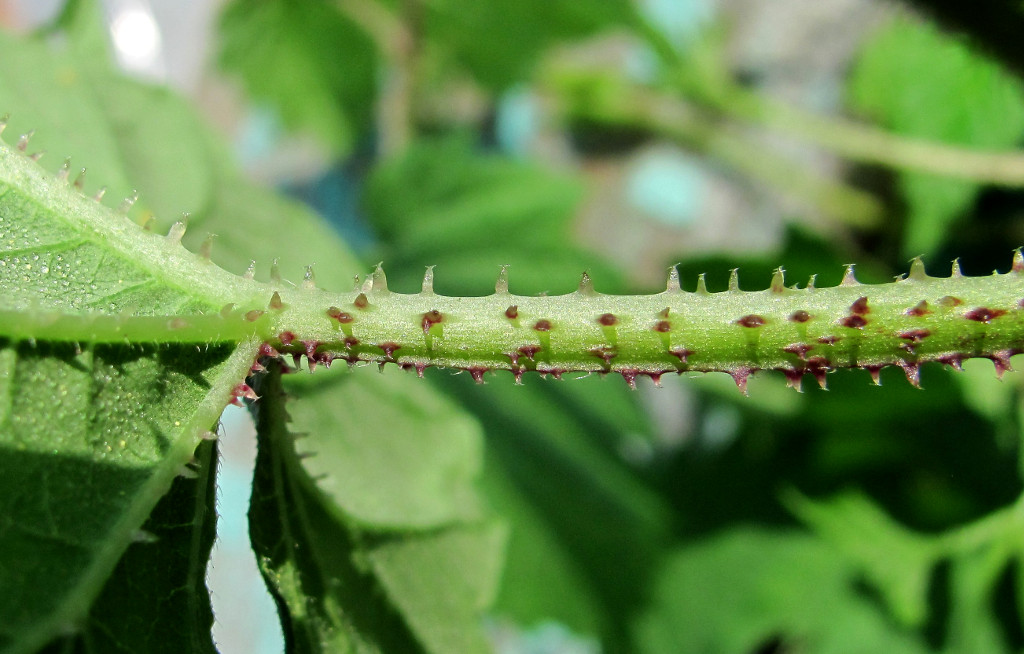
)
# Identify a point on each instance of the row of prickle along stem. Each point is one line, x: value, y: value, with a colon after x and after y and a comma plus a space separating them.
x: 682, y: 349
x: 852, y: 313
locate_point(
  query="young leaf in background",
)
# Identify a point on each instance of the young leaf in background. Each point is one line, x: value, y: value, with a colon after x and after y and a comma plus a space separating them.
x: 918, y: 81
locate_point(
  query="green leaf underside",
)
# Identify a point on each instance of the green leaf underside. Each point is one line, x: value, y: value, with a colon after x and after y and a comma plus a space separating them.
x: 156, y: 600
x: 92, y: 438
x: 136, y: 137
x: 344, y: 588
x: 389, y: 451
x: 61, y: 252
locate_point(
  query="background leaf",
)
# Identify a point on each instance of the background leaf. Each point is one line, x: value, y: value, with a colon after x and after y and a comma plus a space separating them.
x: 749, y: 589
x: 307, y: 60
x: 343, y: 587
x: 898, y: 562
x: 446, y: 203
x: 498, y: 42
x: 972, y: 102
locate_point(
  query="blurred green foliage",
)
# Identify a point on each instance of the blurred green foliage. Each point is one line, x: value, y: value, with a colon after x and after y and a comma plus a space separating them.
x: 683, y: 519
x: 825, y: 522
x: 973, y: 102
x: 310, y: 62
x: 780, y: 523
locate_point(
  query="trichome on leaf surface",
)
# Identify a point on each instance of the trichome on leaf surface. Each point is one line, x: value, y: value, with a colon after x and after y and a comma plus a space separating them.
x: 394, y: 514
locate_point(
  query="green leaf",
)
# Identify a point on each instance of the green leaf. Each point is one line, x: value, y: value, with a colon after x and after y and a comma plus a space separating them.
x: 444, y: 203
x: 137, y: 410
x: 90, y: 440
x: 306, y: 59
x: 440, y: 192
x: 56, y: 260
x: 895, y: 560
x: 443, y: 583
x: 326, y: 599
x: 535, y: 552
x: 134, y: 136
x: 387, y: 449
x: 341, y: 587
x: 81, y: 22
x: 746, y: 589
x: 972, y: 627
x: 499, y: 41
x: 587, y: 506
x: 62, y: 253
x: 923, y: 83
x: 135, y: 612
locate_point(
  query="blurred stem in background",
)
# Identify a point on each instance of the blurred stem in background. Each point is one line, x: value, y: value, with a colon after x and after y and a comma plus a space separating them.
x: 701, y: 107
x: 398, y: 34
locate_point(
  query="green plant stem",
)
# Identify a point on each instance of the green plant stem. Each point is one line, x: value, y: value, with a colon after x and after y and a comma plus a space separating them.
x: 796, y: 331
x: 868, y: 144
x: 612, y: 102
x: 707, y: 85
x: 792, y: 330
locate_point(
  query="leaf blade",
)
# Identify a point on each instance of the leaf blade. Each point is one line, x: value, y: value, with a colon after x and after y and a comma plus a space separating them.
x: 341, y: 586
x: 134, y: 613
x: 972, y: 102
x: 100, y: 492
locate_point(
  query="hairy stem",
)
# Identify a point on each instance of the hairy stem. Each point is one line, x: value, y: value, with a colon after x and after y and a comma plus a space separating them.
x: 794, y: 330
